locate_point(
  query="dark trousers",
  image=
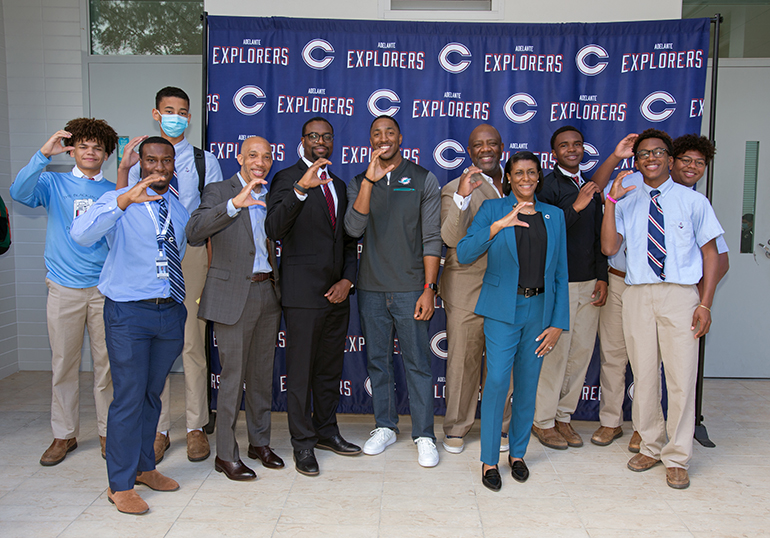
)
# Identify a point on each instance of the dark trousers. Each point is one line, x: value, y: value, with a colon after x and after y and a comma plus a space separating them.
x: 143, y: 341
x: 315, y: 349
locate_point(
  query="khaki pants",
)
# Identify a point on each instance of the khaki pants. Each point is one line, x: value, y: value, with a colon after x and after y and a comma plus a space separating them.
x: 69, y: 311
x: 656, y: 324
x: 464, y: 369
x: 194, y: 269
x: 564, y: 369
x: 614, y: 357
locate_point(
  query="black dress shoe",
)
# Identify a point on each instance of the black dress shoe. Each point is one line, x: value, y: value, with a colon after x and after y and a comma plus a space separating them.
x: 338, y: 445
x: 305, y: 462
x: 264, y: 454
x: 491, y: 479
x: 234, y: 470
x: 519, y: 470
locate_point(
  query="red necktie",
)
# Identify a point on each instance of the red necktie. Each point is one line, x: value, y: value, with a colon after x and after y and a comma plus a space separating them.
x: 576, y: 179
x: 329, y: 199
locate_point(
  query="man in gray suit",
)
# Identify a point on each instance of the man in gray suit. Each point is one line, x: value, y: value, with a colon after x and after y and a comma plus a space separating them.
x: 242, y: 298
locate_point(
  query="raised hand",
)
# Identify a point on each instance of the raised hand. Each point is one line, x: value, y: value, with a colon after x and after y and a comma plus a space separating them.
x: 245, y: 199
x: 138, y: 193
x: 469, y: 181
x: 585, y: 196
x: 618, y: 191
x: 54, y: 145
x: 310, y: 178
x: 130, y: 157
x: 511, y: 219
x: 625, y: 147
x: 376, y: 170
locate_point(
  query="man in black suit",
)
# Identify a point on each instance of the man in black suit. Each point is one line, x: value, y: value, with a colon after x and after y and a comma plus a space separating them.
x: 318, y: 267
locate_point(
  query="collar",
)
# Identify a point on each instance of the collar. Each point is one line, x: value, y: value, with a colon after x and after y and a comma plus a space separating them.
x: 182, y: 145
x: 569, y: 175
x: 257, y: 195
x: 79, y: 173
x: 492, y: 181
x: 324, y: 169
x: 664, y: 188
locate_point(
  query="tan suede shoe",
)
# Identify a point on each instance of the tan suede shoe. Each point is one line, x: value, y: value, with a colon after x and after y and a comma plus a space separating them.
x: 605, y: 436
x: 161, y: 444
x: 154, y: 480
x: 128, y: 502
x: 197, y: 446
x: 634, y: 443
x: 550, y: 437
x: 640, y: 463
x: 103, y: 444
x: 677, y: 478
x: 570, y: 435
x: 58, y: 450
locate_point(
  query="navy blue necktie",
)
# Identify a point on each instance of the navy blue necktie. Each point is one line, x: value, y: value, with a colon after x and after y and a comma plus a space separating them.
x: 656, y: 236
x: 175, y: 277
x: 173, y: 185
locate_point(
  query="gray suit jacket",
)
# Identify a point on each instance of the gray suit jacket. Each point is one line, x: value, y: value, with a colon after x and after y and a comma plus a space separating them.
x: 232, y: 244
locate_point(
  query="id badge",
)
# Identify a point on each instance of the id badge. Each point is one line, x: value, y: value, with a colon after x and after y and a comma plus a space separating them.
x: 161, y: 266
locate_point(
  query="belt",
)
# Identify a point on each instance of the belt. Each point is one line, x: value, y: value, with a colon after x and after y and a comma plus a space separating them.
x: 530, y: 292
x: 261, y: 277
x: 158, y: 300
x: 615, y: 272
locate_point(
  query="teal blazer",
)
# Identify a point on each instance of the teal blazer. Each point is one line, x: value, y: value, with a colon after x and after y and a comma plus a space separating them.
x: 501, y: 281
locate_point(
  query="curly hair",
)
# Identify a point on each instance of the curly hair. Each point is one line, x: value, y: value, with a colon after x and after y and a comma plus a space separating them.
x: 701, y: 144
x: 655, y: 133
x: 92, y: 129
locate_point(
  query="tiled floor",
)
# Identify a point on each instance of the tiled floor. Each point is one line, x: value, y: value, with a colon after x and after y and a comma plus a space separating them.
x: 573, y: 493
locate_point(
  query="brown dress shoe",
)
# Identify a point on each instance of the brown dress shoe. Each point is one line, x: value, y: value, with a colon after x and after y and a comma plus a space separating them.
x: 635, y: 442
x: 677, y: 478
x: 550, y: 437
x: 103, y: 444
x: 605, y: 436
x: 234, y: 470
x: 128, y: 502
x: 570, y: 435
x: 640, y: 463
x: 197, y: 446
x: 161, y: 444
x: 156, y: 481
x: 264, y: 454
x: 58, y: 451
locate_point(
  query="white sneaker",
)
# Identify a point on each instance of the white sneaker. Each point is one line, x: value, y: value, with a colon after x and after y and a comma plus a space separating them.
x: 427, y: 453
x: 504, y: 443
x: 453, y: 445
x: 380, y: 439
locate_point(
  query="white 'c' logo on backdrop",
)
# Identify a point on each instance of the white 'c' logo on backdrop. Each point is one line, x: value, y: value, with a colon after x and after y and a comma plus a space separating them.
x: 438, y: 155
x: 392, y: 98
x: 591, y: 151
x: 249, y: 91
x: 368, y: 386
x: 525, y: 116
x: 591, y: 50
x: 459, y: 67
x: 646, y: 107
x: 434, y: 345
x: 300, y: 150
x: 315, y: 44
x: 630, y: 391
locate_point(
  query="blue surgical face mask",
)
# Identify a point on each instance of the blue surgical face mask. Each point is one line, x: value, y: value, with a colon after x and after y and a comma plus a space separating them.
x: 173, y: 124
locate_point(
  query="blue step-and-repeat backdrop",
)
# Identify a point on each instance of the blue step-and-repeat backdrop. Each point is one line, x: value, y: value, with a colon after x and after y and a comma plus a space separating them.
x: 267, y: 76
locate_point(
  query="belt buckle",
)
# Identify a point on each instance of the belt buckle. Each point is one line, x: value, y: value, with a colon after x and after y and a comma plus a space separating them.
x: 529, y: 292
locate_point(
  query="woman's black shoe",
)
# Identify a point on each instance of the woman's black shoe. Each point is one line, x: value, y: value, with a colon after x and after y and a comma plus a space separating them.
x: 491, y: 479
x: 519, y: 470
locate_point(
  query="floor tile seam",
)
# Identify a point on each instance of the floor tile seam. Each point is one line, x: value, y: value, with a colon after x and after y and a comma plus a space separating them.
x: 283, y: 505
x: 82, y: 511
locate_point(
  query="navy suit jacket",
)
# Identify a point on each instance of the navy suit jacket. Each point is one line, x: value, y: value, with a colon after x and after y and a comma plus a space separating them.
x: 501, y: 280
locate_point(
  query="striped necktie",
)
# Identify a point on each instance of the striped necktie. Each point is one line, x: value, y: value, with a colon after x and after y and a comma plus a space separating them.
x: 656, y: 236
x: 173, y: 185
x: 175, y: 277
x: 329, y: 199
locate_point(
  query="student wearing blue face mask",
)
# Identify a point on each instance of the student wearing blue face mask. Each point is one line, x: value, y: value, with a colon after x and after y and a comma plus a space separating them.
x: 194, y: 168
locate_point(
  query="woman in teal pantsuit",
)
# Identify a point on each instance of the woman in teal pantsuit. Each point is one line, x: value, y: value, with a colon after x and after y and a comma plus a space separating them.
x: 525, y: 303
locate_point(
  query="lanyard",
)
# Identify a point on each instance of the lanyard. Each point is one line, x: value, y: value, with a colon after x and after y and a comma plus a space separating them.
x: 159, y: 235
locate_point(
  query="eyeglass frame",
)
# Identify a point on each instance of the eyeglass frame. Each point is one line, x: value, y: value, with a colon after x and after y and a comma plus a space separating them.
x: 645, y: 154
x: 314, y: 137
x: 687, y: 161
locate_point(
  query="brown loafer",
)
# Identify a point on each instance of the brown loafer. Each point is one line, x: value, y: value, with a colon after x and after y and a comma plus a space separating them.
x: 550, y: 437
x: 161, y: 444
x: 640, y: 463
x: 570, y: 435
x: 605, y: 436
x: 234, y: 470
x: 265, y: 454
x: 677, y: 478
x: 156, y: 481
x: 128, y: 502
x: 103, y: 444
x: 635, y: 443
x: 197, y: 446
x: 58, y: 450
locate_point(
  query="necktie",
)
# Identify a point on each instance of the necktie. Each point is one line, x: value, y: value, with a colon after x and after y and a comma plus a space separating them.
x: 173, y: 185
x: 576, y: 179
x: 656, y: 236
x: 175, y: 278
x: 329, y: 200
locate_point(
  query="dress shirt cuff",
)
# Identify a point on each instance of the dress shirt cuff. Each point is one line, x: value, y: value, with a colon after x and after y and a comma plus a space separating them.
x: 232, y: 211
x: 301, y: 197
x: 461, y: 202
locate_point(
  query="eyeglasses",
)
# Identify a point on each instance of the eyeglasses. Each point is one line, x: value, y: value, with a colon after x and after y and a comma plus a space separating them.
x: 313, y: 137
x: 645, y: 154
x: 687, y: 161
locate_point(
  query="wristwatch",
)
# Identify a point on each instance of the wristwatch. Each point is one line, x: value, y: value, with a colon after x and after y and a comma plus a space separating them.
x: 432, y: 286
